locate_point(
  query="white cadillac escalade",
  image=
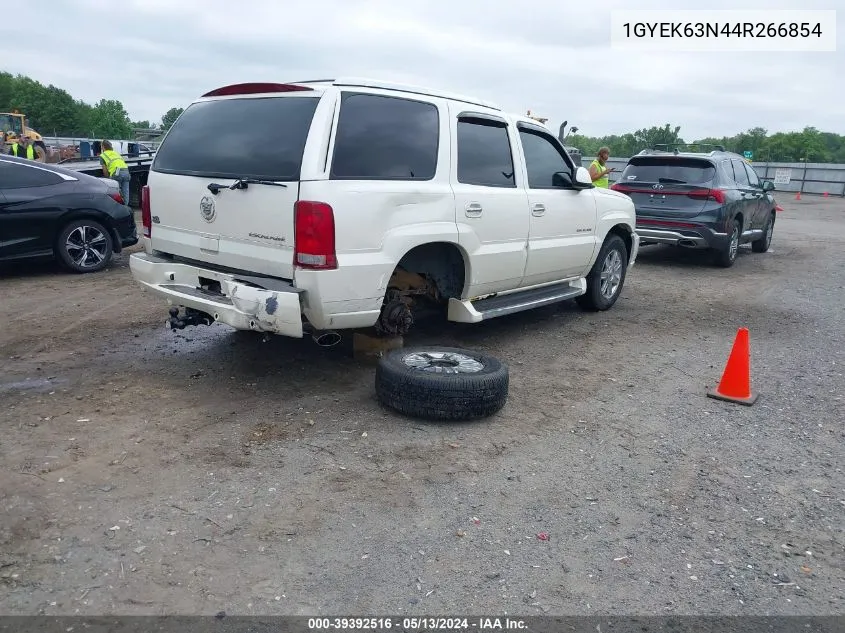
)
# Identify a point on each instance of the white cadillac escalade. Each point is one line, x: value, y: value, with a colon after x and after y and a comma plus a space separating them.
x: 321, y: 206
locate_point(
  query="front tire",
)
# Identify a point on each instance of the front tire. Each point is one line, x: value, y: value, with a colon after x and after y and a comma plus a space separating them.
x: 85, y: 246
x: 607, y: 277
x: 441, y: 383
x: 762, y: 245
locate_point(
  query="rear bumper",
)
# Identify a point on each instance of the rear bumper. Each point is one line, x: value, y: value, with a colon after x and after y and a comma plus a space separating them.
x: 125, y: 236
x: 240, y: 305
x: 698, y: 237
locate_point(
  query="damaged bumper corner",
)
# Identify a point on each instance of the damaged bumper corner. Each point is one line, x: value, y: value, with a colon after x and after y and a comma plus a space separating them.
x: 275, y: 309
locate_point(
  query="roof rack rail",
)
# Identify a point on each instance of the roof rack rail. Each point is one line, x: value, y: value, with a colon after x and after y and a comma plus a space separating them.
x: 675, y: 147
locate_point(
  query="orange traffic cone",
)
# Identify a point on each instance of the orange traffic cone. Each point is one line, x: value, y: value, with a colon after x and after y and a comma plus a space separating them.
x: 825, y: 194
x: 735, y: 385
x: 798, y: 196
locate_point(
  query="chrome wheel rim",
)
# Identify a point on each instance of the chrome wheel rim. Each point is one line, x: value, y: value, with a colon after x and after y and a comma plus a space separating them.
x: 770, y: 229
x: 443, y: 363
x: 611, y: 274
x: 734, y: 247
x: 86, y: 246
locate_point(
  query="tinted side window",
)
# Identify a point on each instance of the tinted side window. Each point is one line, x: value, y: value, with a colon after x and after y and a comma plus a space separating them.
x: 542, y: 159
x: 753, y: 178
x: 740, y: 175
x: 15, y: 176
x: 385, y: 138
x: 728, y: 169
x: 484, y: 154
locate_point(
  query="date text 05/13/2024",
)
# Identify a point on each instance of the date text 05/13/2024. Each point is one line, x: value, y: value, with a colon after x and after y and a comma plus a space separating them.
x: 417, y: 624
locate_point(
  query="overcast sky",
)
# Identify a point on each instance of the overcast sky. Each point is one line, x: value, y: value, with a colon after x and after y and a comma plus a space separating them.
x: 550, y: 56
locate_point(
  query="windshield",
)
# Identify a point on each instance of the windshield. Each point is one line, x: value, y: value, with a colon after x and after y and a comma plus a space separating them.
x: 689, y: 171
x: 261, y: 138
x: 10, y: 123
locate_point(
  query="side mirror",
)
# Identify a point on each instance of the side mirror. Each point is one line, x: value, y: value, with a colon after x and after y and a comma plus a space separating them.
x: 768, y: 185
x: 583, y: 178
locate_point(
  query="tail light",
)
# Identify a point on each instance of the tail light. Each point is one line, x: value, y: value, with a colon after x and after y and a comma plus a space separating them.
x: 708, y: 194
x: 116, y: 197
x: 146, y: 216
x: 314, y: 236
x: 617, y: 187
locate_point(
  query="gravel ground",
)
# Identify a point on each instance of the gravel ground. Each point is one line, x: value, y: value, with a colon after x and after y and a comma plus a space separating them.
x: 146, y: 472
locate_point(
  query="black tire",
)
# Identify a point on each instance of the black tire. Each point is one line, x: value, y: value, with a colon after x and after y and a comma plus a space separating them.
x: 613, y: 253
x: 726, y: 257
x: 763, y: 244
x: 409, y: 383
x: 93, y: 240
x: 40, y: 152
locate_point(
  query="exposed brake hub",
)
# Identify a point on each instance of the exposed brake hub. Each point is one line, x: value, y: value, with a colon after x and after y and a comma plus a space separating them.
x: 395, y: 318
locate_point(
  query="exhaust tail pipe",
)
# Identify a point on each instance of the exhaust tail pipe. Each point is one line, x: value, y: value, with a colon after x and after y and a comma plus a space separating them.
x: 326, y: 339
x: 687, y: 243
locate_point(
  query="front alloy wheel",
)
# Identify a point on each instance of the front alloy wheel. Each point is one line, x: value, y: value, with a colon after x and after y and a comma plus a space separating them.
x: 607, y: 277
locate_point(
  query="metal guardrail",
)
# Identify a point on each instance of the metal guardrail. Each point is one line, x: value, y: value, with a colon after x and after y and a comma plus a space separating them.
x: 811, y: 178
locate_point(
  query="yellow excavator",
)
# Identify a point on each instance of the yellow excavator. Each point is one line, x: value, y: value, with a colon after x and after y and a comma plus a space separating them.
x: 12, y: 126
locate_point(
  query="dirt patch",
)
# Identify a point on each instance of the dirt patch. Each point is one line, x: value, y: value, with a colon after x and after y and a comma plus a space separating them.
x: 148, y: 472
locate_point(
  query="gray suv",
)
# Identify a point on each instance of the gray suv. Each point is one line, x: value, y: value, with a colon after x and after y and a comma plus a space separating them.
x: 705, y: 200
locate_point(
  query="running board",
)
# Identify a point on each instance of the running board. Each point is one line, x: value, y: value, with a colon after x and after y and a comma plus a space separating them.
x: 752, y: 233
x: 503, y: 304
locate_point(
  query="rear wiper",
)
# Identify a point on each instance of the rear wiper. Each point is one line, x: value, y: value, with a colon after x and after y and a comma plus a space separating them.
x: 672, y: 180
x: 243, y: 183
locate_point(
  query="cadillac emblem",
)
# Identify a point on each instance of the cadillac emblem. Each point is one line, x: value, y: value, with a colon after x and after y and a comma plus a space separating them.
x: 207, y: 209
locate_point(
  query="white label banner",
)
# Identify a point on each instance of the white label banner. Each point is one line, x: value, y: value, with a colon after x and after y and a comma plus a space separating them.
x: 706, y: 31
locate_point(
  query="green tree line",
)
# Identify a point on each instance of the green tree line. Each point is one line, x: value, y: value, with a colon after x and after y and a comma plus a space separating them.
x: 52, y: 111
x: 809, y: 144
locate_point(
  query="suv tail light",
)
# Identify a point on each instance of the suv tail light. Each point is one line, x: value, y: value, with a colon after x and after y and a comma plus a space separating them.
x: 146, y: 216
x: 708, y: 194
x: 314, y: 236
x: 116, y: 197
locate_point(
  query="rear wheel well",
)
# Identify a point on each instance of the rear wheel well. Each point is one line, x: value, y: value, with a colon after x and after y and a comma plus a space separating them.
x: 426, y: 276
x: 441, y: 262
x: 739, y: 217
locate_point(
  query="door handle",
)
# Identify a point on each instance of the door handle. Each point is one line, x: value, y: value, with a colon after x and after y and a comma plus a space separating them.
x: 538, y: 209
x: 473, y: 210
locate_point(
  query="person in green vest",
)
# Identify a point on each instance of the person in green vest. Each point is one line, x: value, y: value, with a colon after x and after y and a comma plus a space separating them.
x: 22, y: 148
x: 115, y: 167
x: 598, y: 171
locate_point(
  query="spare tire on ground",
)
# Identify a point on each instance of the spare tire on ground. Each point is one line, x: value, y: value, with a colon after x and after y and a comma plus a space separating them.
x: 442, y: 383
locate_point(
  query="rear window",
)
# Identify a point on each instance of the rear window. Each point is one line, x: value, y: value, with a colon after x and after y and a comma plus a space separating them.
x: 260, y: 138
x: 674, y: 170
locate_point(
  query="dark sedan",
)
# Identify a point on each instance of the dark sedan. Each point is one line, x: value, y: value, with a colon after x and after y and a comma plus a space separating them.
x: 47, y: 211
